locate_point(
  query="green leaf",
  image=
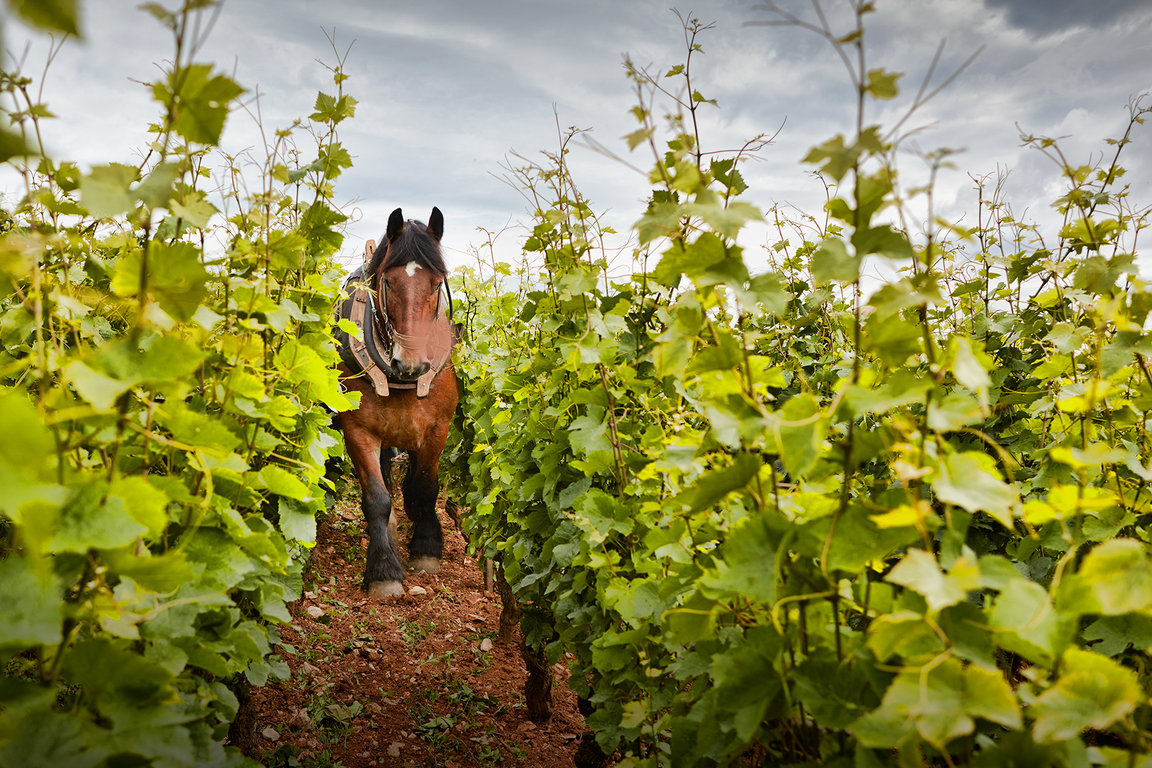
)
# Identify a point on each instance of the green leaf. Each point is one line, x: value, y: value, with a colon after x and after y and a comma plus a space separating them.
x: 1091, y: 692
x: 633, y: 714
x: 601, y: 515
x: 725, y: 220
x: 13, y: 144
x: 282, y: 483
x: 713, y: 486
x: 902, y: 388
x: 746, y: 567
x: 905, y: 634
x: 200, y: 101
x: 41, y: 737
x: 882, y: 84
x: 939, y: 702
x: 33, y: 609
x: 956, y: 410
x: 106, y: 190
x: 194, y: 210
x: 638, y: 601
x: 662, y: 219
x: 52, y: 15
x: 126, y: 688
x: 971, y: 480
x: 1113, y: 635
x: 856, y: 542
x: 919, y: 571
x: 638, y: 137
x: 832, y: 263
x: 157, y: 573
x: 834, y: 157
x: 833, y: 692
x: 206, y: 432
x: 297, y: 521
x: 883, y: 241
x: 94, y: 519
x: 156, y: 188
x: 799, y: 429
x: 97, y: 388
x: 1027, y: 623
x: 588, y: 435
x: 1115, y: 578
x: 330, y: 109
x: 693, y: 621
x: 350, y: 328
x: 176, y: 278
x: 147, y: 504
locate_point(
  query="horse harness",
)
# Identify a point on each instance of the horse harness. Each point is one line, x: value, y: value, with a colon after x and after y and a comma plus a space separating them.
x: 366, y: 354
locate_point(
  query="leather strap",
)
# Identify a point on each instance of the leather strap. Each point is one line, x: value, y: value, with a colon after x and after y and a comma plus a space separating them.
x: 361, y: 301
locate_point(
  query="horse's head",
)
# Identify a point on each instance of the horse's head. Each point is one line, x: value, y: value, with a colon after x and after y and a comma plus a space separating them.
x: 410, y: 278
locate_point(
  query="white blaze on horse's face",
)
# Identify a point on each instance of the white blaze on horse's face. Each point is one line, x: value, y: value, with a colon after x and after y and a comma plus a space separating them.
x: 411, y: 267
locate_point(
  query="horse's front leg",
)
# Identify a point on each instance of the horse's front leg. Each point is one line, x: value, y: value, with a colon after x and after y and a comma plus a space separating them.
x: 383, y: 573
x: 421, y: 489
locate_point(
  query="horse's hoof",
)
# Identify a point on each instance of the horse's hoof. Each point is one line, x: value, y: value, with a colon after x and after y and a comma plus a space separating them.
x: 425, y: 564
x: 379, y: 589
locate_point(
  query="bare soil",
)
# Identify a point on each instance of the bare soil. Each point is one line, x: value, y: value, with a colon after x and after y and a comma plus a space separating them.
x: 410, y: 681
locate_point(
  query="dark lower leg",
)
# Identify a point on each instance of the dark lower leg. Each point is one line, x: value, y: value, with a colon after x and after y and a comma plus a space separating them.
x: 421, y: 487
x: 383, y: 563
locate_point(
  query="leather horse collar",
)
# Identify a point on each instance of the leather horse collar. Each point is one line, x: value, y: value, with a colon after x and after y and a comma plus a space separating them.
x: 368, y: 355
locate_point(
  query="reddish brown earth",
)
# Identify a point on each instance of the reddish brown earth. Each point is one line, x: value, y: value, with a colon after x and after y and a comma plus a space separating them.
x: 409, y: 681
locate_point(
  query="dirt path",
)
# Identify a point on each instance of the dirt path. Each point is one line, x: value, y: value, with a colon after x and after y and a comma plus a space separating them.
x: 411, y: 681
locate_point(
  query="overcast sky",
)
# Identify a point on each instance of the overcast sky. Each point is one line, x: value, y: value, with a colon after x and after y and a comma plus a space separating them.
x: 448, y: 89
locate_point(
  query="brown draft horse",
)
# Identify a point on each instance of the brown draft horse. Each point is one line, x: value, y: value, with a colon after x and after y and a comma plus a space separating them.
x: 407, y: 402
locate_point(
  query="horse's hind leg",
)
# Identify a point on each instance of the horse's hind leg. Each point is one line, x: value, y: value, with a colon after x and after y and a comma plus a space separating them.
x: 421, y: 488
x: 383, y: 573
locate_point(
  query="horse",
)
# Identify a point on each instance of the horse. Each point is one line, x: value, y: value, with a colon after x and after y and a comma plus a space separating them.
x: 401, y: 366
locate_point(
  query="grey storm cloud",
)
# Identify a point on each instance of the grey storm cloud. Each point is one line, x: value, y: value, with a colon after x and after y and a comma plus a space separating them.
x: 1044, y: 17
x: 450, y: 91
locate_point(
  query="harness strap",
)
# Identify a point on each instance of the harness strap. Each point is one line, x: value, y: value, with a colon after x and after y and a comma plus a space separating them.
x: 379, y: 379
x: 365, y: 350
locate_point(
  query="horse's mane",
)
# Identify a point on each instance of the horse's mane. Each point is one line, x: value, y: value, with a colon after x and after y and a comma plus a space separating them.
x: 414, y: 243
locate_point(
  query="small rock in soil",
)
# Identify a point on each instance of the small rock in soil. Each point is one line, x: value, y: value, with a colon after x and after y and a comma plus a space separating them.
x: 309, y: 668
x: 417, y: 591
x: 486, y: 644
x: 314, y: 611
x: 270, y: 734
x: 394, y: 749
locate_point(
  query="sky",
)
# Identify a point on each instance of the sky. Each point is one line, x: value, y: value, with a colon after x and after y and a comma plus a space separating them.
x: 451, y: 91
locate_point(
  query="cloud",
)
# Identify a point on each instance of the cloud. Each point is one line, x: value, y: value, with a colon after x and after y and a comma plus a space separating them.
x: 1043, y: 17
x: 445, y: 97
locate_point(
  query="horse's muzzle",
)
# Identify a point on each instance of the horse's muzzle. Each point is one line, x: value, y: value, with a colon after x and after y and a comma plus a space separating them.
x: 407, y: 370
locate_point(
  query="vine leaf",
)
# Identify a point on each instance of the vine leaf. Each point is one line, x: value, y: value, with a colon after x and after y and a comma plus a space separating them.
x: 919, y: 571
x: 970, y: 480
x: 1093, y: 692
x: 32, y: 607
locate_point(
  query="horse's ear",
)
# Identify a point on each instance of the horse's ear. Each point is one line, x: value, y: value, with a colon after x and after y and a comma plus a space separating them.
x: 436, y: 223
x: 395, y: 225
